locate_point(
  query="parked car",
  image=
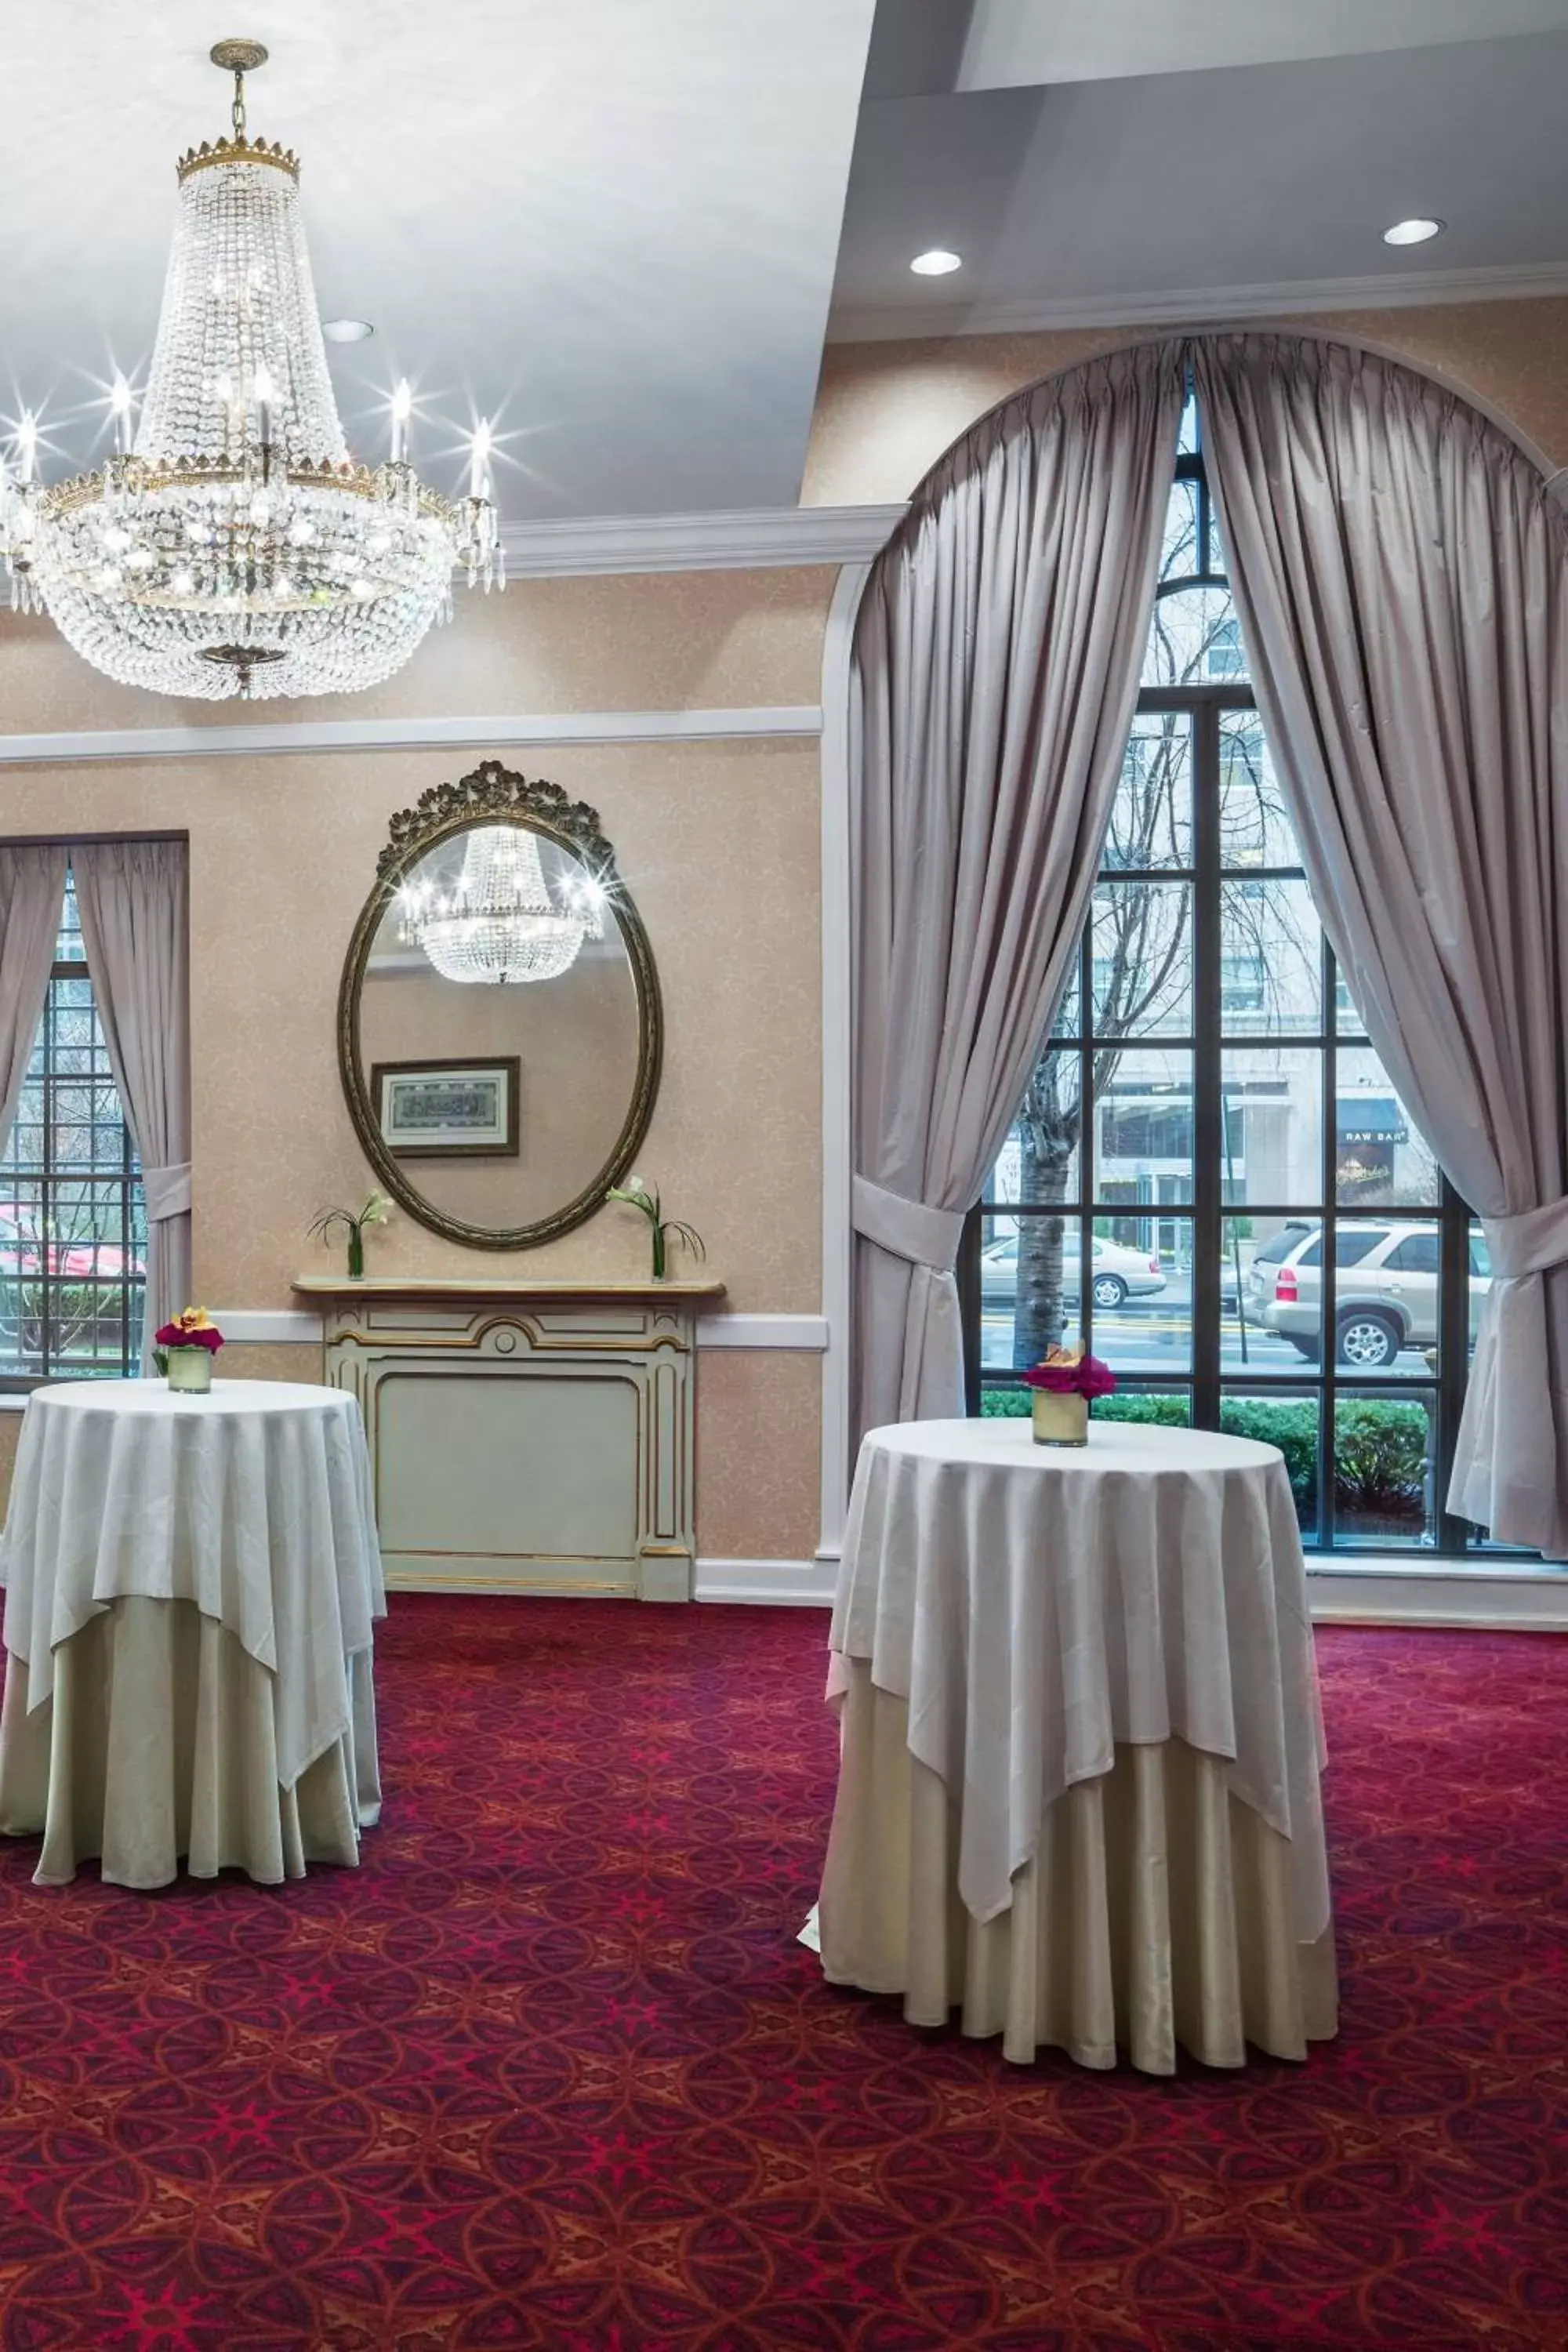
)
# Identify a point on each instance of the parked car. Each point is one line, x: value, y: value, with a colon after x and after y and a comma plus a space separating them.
x: 1385, y: 1289
x: 1118, y: 1273
x: 22, y: 1253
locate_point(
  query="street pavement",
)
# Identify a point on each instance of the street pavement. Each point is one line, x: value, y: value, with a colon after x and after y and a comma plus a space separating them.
x: 1151, y: 1336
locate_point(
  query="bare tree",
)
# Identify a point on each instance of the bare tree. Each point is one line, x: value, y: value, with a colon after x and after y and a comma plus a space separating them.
x: 1140, y: 926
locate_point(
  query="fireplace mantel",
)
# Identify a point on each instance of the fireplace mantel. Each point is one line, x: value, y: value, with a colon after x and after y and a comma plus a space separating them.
x: 485, y: 1287
x: 525, y: 1435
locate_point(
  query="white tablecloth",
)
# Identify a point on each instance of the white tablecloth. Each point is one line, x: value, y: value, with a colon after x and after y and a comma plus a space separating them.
x: 251, y: 1504
x: 1036, y: 1607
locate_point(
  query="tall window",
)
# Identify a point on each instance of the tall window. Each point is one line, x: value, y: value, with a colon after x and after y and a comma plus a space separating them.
x: 1211, y: 1169
x: 73, y: 1223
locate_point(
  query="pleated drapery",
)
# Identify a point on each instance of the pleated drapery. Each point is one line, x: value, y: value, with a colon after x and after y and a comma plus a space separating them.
x: 134, y: 900
x: 1401, y: 571
x: 32, y: 899
x: 994, y: 673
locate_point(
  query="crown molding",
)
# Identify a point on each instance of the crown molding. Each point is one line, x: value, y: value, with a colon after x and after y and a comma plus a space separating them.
x: 763, y: 538
x: 1197, y: 306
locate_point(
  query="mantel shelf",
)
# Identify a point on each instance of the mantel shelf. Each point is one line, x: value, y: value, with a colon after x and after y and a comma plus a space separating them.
x: 482, y: 1287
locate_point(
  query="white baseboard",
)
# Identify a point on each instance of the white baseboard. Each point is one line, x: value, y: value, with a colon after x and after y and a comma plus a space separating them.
x: 1358, y: 1593
x: 1396, y: 1592
x: 766, y: 1583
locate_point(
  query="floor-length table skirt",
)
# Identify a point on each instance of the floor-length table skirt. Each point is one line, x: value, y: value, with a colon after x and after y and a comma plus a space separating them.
x: 159, y: 1742
x: 1158, y: 1908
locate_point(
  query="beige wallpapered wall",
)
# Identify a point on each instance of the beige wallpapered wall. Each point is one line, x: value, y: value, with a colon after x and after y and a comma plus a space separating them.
x: 719, y: 841
x: 884, y: 412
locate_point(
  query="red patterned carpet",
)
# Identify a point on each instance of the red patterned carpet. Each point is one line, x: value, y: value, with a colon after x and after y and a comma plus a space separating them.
x: 551, y: 2071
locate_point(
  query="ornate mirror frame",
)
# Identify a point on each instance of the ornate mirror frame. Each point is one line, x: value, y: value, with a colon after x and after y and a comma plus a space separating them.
x: 491, y: 794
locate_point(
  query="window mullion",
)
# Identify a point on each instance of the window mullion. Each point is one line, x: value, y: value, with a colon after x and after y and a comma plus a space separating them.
x: 971, y: 1303
x: 1452, y: 1534
x: 1088, y: 1133
x: 1207, y: 1207
x: 1329, y: 1254
x: 46, y: 1188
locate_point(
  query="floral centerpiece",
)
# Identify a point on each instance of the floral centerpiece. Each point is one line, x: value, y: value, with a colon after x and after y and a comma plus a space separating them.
x: 662, y: 1230
x: 1063, y: 1383
x: 355, y: 1222
x: 184, y: 1350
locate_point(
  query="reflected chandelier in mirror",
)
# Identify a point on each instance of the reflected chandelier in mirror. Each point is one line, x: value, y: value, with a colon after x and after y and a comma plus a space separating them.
x: 499, y: 1022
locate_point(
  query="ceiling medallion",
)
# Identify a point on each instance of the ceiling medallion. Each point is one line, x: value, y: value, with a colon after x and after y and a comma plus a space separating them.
x: 233, y: 546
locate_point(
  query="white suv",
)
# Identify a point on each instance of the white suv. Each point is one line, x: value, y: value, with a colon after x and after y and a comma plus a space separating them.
x: 1385, y: 1289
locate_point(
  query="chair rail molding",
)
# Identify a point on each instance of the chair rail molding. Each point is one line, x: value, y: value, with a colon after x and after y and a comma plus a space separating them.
x: 285, y: 1328
x: 517, y: 729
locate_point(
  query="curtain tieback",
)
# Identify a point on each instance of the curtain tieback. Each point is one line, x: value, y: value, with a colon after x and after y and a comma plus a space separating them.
x: 1532, y: 1243
x: 928, y: 1237
x: 168, y: 1192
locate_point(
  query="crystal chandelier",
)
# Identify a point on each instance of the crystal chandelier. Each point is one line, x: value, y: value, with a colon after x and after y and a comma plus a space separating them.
x: 235, y: 547
x: 500, y: 920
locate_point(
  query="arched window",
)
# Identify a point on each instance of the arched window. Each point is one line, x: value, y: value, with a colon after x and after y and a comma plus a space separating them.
x: 1211, y: 1167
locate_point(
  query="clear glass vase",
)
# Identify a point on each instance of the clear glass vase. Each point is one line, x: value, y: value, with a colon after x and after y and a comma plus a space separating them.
x: 190, y: 1370
x: 1060, y: 1420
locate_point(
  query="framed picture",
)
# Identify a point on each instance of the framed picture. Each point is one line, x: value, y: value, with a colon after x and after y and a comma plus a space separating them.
x: 449, y: 1110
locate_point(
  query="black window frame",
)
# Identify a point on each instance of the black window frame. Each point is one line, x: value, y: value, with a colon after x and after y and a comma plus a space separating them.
x: 125, y: 1184
x: 1206, y: 705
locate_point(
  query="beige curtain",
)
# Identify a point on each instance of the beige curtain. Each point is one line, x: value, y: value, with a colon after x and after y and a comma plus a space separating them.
x: 133, y: 898
x: 1400, y: 571
x: 1156, y: 1909
x: 32, y: 900
x: 996, y: 669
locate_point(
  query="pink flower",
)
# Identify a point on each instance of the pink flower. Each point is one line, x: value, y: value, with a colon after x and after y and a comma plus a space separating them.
x: 190, y: 1329
x: 1089, y: 1377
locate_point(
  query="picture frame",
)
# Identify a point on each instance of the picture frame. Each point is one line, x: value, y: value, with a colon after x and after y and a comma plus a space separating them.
x: 455, y: 1109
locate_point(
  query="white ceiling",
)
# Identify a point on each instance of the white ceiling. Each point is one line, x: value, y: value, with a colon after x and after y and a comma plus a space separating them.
x: 614, y: 225
x: 1117, y: 186
x: 610, y: 223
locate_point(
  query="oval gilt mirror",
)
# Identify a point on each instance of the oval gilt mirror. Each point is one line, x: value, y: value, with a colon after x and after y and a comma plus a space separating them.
x: 499, y: 1025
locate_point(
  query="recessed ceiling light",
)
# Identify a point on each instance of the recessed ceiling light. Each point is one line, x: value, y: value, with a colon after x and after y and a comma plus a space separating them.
x: 937, y: 262
x: 347, y: 330
x: 1413, y: 232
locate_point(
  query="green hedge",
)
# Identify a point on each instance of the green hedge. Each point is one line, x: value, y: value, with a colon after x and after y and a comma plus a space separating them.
x: 1380, y: 1454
